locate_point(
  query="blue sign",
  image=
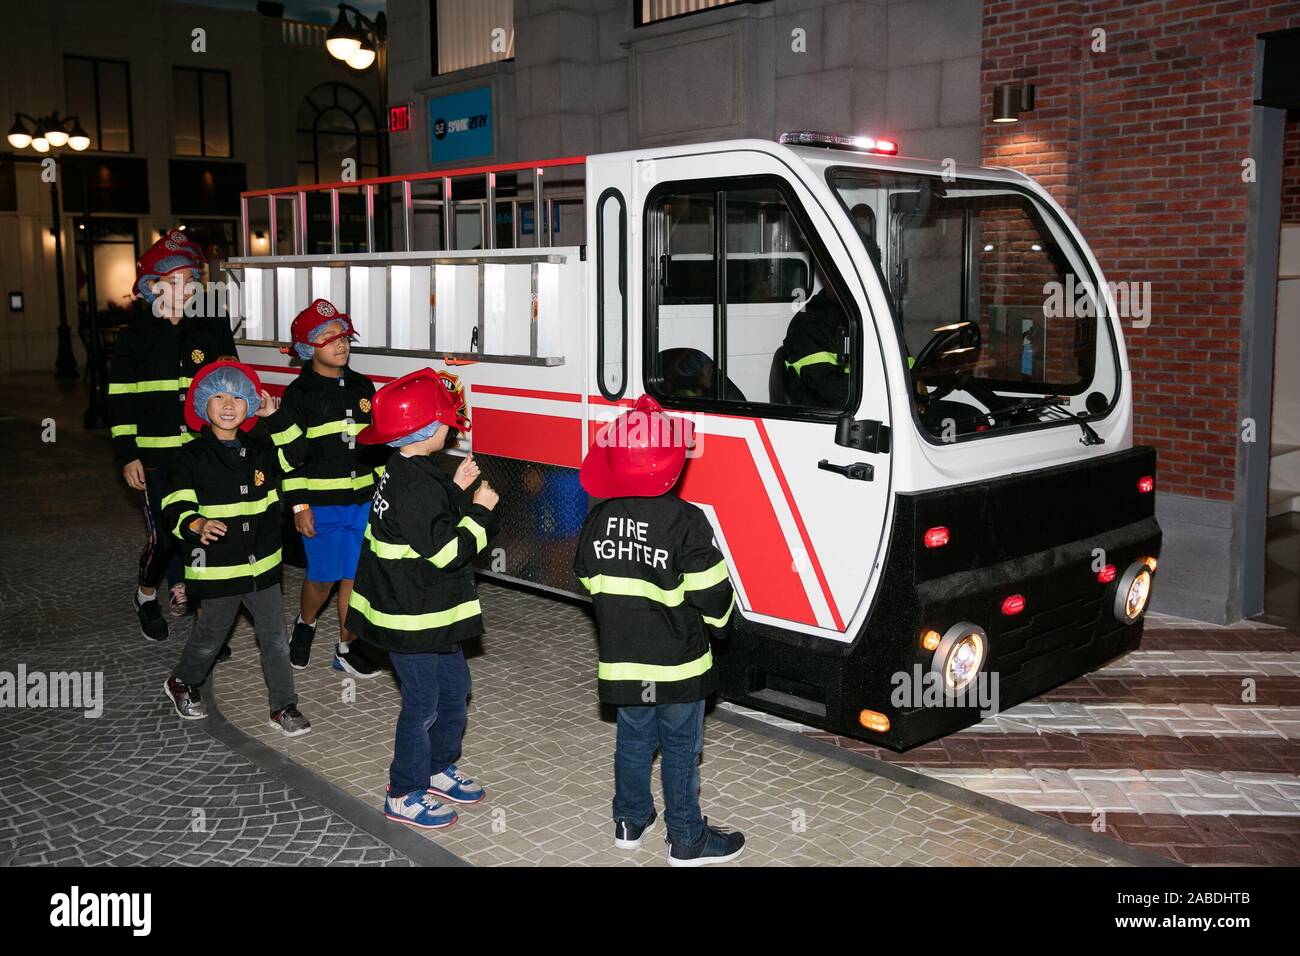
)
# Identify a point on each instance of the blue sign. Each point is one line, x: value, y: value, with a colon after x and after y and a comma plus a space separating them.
x: 460, y: 125
x: 526, y: 220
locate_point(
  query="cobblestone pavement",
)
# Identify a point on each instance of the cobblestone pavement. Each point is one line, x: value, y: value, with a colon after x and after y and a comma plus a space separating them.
x: 135, y: 785
x: 537, y: 741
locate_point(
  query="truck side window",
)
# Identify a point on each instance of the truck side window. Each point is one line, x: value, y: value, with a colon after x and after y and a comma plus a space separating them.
x: 771, y: 315
x: 611, y: 293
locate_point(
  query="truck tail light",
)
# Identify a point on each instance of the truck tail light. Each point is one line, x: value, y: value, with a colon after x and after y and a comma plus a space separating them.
x: 1146, y: 484
x: 1013, y: 604
x: 937, y: 537
x: 1107, y: 574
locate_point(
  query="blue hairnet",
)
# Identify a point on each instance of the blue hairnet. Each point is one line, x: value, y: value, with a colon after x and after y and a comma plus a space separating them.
x: 144, y: 284
x: 306, y: 349
x: 428, y: 431
x: 231, y: 381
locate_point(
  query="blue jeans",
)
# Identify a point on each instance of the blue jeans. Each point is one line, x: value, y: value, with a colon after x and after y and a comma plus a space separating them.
x: 678, y: 731
x: 435, y: 692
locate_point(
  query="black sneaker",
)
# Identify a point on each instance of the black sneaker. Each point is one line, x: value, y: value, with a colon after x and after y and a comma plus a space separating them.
x: 300, y: 643
x: 224, y: 653
x: 185, y: 698
x: 290, y: 722
x: 628, y: 836
x: 355, y: 662
x: 718, y: 845
x: 152, y: 624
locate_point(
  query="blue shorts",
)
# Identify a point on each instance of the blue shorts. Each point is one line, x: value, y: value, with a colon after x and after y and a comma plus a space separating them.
x: 333, y: 554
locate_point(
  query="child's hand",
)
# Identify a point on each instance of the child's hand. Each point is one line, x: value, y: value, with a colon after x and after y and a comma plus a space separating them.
x: 210, y: 529
x: 270, y: 405
x: 305, y: 523
x: 466, y: 473
x: 486, y: 496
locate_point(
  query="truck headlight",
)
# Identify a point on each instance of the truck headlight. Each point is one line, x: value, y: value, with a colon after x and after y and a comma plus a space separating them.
x: 1132, y: 593
x: 960, y: 655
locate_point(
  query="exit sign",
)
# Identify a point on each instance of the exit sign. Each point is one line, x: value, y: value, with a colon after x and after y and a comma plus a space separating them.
x: 399, y: 118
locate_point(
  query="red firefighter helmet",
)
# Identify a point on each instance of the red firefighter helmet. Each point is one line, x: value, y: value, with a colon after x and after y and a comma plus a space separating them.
x: 174, y: 252
x: 409, y: 403
x: 191, y: 417
x: 315, y: 315
x: 639, y: 454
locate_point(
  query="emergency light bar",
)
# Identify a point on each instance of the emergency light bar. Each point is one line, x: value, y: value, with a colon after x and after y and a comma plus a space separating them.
x: 862, y: 144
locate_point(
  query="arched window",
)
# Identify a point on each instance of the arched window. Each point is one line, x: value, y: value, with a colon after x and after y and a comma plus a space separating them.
x: 335, y: 122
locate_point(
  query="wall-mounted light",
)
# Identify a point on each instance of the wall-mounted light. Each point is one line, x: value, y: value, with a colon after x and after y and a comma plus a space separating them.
x: 1010, y: 101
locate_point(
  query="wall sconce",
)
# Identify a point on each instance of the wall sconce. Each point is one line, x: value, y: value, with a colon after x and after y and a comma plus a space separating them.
x: 1010, y: 101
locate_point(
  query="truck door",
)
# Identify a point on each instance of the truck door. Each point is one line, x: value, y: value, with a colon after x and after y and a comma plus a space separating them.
x: 754, y: 322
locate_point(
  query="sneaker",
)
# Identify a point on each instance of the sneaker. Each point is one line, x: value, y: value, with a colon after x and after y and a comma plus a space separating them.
x: 453, y: 785
x: 419, y: 809
x: 224, y: 653
x: 355, y: 662
x: 300, y: 643
x: 628, y: 836
x: 290, y: 722
x: 717, y: 845
x: 189, y: 705
x: 152, y: 625
x: 179, y: 604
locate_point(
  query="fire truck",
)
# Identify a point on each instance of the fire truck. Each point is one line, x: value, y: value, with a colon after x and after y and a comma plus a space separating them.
x: 961, y: 503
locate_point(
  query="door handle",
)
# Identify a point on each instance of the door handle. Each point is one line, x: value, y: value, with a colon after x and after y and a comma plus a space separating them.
x: 859, y: 470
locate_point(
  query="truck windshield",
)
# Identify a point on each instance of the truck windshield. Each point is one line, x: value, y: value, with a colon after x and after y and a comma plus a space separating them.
x: 994, y: 301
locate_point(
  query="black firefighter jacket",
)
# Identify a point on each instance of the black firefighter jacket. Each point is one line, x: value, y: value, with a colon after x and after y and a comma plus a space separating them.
x: 237, y: 486
x: 660, y: 590
x: 816, y: 364
x: 329, y: 412
x: 414, y: 590
x: 147, y: 380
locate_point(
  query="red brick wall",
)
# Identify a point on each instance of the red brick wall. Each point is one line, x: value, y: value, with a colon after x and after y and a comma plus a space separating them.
x: 1142, y: 144
x: 1291, y: 173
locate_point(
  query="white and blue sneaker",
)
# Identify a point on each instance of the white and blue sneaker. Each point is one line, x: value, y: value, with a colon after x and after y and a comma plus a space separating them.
x: 419, y: 809
x: 629, y: 836
x: 453, y: 785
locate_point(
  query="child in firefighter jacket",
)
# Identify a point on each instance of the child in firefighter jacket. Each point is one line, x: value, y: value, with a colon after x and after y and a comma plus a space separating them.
x: 329, y: 493
x: 660, y: 591
x: 224, y: 508
x: 414, y: 594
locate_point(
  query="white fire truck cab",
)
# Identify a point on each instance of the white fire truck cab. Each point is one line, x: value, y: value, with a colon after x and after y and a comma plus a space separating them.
x: 907, y: 381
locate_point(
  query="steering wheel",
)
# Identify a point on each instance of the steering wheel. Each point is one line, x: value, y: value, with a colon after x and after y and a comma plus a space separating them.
x: 948, y: 360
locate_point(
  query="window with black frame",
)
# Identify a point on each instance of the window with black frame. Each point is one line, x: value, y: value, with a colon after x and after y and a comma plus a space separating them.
x: 99, y: 94
x: 1000, y: 317
x: 767, y: 329
x: 204, y: 124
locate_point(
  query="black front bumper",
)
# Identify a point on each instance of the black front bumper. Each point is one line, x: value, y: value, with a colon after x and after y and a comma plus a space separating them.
x: 1039, y: 534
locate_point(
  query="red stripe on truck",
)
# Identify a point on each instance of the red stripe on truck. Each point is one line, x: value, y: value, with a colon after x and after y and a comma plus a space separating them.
x: 550, y: 439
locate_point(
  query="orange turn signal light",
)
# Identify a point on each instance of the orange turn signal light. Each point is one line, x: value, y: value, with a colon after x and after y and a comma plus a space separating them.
x: 873, y: 720
x: 930, y: 640
x: 1150, y: 562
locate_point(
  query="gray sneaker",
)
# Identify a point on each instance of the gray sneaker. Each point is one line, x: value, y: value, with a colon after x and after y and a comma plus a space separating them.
x: 290, y: 722
x: 189, y: 705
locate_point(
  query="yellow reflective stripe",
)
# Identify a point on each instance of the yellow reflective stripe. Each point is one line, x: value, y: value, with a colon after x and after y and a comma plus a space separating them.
x: 283, y: 437
x: 379, y: 470
x: 632, y: 587
x: 414, y: 622
x: 335, y: 428
x: 226, y: 572
x: 397, y: 552
x: 284, y: 462
x: 167, y: 441
x: 657, y: 673
x: 817, y: 358
x: 120, y: 388
x: 119, y: 431
x: 699, y: 580
x: 476, y: 529
x: 181, y: 520
x: 181, y: 494
x: 329, y: 484
x: 721, y: 621
x: 241, y: 508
